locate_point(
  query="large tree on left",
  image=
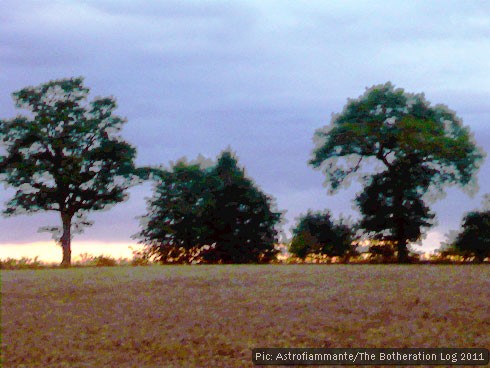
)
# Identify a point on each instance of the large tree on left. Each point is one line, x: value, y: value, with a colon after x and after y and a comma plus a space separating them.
x: 66, y: 156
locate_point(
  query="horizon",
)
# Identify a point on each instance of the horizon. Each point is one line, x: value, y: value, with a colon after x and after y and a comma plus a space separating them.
x: 50, y: 251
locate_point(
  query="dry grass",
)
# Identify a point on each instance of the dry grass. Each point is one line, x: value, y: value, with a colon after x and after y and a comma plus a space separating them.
x: 212, y: 316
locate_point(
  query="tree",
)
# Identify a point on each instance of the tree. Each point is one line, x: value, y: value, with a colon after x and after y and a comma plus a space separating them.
x: 318, y: 233
x: 475, y: 236
x: 174, y: 231
x: 393, y: 219
x: 67, y: 156
x: 215, y: 213
x: 398, y: 130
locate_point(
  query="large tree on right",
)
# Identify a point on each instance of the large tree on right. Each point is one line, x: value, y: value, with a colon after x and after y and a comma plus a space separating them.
x: 421, y: 148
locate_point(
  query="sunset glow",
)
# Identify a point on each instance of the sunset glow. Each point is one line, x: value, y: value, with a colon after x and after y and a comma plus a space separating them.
x: 51, y: 252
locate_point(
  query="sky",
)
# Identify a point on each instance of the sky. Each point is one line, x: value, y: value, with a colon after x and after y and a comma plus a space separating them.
x: 259, y: 76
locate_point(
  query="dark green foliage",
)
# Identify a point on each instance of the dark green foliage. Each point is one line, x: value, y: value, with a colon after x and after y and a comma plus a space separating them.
x: 303, y: 244
x: 318, y: 233
x: 383, y: 252
x: 240, y: 217
x: 474, y: 239
x: 391, y: 205
x: 66, y: 156
x: 422, y: 148
x: 174, y: 227
x: 213, y: 215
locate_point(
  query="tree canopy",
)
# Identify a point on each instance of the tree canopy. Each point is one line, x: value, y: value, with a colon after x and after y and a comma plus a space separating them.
x: 408, y: 136
x: 214, y: 214
x: 66, y: 156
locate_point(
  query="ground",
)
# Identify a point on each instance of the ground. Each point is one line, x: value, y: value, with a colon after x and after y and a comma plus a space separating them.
x: 212, y: 316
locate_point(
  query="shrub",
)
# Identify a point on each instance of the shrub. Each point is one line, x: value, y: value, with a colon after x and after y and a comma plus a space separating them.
x: 20, y: 264
x: 87, y: 259
x: 104, y: 261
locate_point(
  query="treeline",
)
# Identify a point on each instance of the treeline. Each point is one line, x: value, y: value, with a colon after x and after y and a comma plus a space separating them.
x: 142, y: 258
x: 68, y: 156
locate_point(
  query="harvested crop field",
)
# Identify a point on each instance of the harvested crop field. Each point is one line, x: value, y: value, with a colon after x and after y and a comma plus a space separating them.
x: 212, y: 316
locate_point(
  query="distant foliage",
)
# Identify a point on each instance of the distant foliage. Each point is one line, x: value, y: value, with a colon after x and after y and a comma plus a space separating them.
x: 474, y: 239
x: 105, y: 261
x: 382, y: 252
x: 386, y: 252
x: 140, y: 258
x: 318, y: 234
x: 21, y: 264
x: 87, y: 259
x: 209, y: 215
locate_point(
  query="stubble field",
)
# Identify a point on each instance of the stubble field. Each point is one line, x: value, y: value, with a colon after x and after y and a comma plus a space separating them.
x: 212, y: 316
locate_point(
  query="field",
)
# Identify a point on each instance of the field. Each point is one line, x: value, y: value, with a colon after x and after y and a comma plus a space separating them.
x: 212, y: 316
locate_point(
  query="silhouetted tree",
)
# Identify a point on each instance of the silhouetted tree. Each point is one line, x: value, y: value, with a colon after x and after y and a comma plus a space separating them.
x: 67, y: 156
x: 175, y: 230
x: 391, y: 205
x: 394, y: 127
x: 241, y: 217
x: 474, y: 239
x: 318, y: 233
x: 217, y: 210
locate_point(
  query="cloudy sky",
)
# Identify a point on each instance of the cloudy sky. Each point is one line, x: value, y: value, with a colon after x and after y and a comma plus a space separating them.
x: 194, y: 77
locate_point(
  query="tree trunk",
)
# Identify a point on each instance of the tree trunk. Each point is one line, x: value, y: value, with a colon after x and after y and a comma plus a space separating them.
x: 66, y: 239
x: 401, y: 240
x: 402, y: 251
